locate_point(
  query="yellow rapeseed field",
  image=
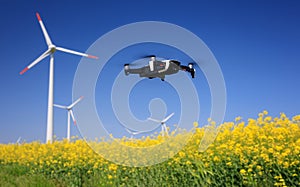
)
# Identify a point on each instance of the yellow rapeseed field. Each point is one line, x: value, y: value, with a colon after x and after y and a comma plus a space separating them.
x: 257, y: 152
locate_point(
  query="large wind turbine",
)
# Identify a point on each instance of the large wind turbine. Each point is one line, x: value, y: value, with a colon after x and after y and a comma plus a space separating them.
x: 50, y: 52
x: 163, y: 123
x: 70, y: 114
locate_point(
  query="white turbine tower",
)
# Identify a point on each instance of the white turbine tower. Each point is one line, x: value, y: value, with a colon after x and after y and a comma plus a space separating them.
x: 70, y: 114
x: 163, y: 123
x: 51, y: 50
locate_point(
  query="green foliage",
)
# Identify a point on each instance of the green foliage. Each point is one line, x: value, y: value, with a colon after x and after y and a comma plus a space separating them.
x: 17, y: 175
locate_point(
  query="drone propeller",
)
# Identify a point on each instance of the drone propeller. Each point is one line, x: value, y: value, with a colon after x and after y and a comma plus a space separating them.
x: 148, y: 56
x: 142, y: 61
x: 138, y: 64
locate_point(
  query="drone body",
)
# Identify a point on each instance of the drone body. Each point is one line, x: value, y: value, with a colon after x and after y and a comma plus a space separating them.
x: 159, y: 68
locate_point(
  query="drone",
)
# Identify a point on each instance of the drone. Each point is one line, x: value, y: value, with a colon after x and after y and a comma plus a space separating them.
x: 159, y: 68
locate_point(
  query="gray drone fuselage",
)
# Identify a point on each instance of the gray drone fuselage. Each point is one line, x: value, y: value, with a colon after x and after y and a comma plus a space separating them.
x: 159, y: 69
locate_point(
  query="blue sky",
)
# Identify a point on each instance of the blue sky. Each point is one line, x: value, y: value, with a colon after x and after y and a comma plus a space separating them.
x: 256, y: 44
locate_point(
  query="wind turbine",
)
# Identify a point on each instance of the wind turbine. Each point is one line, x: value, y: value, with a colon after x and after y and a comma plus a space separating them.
x: 50, y: 52
x: 18, y: 141
x: 132, y: 133
x: 70, y: 114
x: 163, y: 123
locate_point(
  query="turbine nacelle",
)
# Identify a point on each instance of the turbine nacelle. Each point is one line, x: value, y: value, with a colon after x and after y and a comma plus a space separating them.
x: 52, y: 48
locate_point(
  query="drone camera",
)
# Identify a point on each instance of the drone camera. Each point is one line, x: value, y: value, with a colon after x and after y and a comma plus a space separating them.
x: 190, y: 65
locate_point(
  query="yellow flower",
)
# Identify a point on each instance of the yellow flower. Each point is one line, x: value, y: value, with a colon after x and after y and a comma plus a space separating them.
x: 271, y: 150
x: 229, y: 164
x: 181, y: 154
x: 286, y: 164
x: 238, y: 118
x: 296, y: 118
x: 196, y: 124
x: 281, y: 180
x: 268, y: 119
x: 112, y: 167
x: 216, y: 158
x: 243, y: 172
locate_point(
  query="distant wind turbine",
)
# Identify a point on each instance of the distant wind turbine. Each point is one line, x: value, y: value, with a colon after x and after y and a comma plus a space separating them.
x: 164, y: 129
x: 70, y: 114
x: 51, y: 50
x: 18, y: 141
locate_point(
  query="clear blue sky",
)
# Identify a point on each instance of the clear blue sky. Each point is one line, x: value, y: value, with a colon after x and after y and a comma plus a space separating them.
x: 255, y: 42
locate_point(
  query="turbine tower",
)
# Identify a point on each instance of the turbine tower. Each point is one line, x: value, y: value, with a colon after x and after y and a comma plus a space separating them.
x: 50, y: 52
x: 163, y: 124
x: 70, y: 114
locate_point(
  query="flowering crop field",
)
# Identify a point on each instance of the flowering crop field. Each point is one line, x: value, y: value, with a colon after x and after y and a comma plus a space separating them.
x: 257, y: 152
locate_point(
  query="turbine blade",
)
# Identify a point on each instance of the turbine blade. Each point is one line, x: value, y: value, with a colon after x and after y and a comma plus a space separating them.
x: 75, y: 52
x: 40, y: 58
x: 72, y: 115
x: 47, y: 38
x: 155, y: 120
x: 133, y: 132
x: 167, y: 118
x: 60, y: 106
x: 137, y: 132
x: 128, y: 130
x: 19, y: 139
x: 73, y: 104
